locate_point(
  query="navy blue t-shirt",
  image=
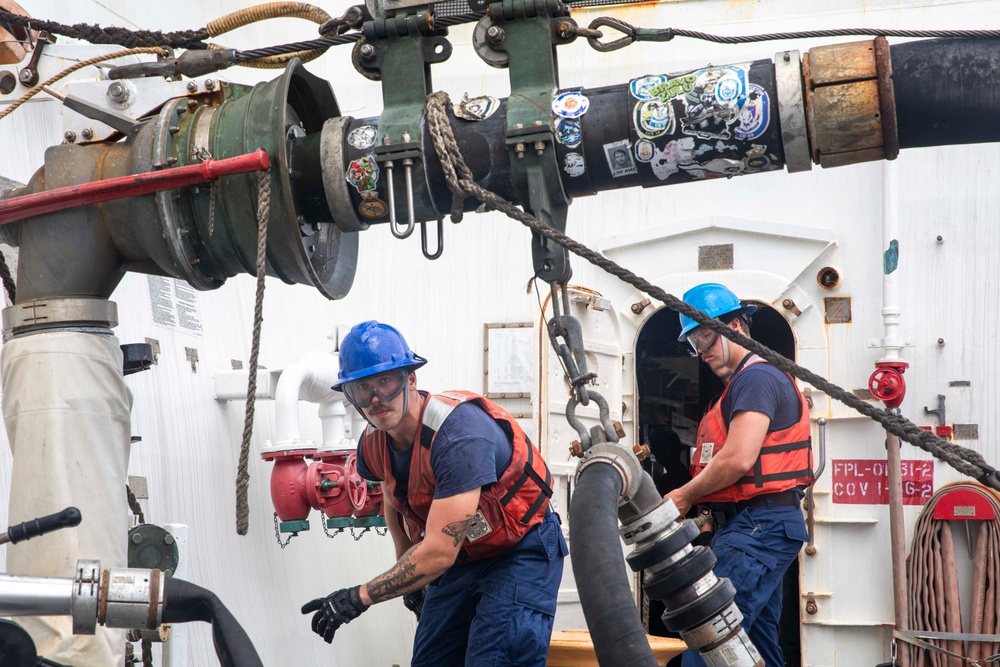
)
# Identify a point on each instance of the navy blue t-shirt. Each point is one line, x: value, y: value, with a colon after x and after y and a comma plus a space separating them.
x: 762, y: 388
x: 469, y: 451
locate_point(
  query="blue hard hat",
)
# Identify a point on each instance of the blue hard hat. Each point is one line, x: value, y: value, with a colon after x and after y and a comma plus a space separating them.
x: 372, y: 348
x: 714, y: 300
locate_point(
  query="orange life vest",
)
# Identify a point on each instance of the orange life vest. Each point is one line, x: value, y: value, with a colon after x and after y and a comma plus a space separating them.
x: 785, y: 460
x: 508, y: 508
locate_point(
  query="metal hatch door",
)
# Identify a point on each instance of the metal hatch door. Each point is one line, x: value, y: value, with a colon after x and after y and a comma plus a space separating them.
x: 602, y: 343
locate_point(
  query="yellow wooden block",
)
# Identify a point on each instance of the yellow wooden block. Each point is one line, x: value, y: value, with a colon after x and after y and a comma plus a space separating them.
x: 573, y: 648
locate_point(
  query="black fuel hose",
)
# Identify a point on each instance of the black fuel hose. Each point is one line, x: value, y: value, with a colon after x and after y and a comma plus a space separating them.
x: 945, y: 91
x: 615, y: 628
x: 185, y: 602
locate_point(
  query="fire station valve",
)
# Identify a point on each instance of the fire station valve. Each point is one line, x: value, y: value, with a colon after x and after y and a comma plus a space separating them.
x: 115, y: 598
x: 330, y: 484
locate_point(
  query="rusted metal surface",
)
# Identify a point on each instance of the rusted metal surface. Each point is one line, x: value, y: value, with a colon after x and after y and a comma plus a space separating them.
x: 837, y: 63
x: 886, y: 99
x: 17, y: 208
x: 849, y: 103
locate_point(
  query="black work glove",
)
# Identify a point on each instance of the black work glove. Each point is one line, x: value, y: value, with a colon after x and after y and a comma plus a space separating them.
x: 334, y: 610
x: 415, y: 601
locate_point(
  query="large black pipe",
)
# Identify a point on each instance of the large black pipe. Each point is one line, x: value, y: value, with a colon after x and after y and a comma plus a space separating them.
x: 947, y: 91
x: 185, y: 602
x: 615, y: 628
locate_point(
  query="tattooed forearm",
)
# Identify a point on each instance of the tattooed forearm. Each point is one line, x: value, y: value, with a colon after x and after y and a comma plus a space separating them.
x: 396, y: 581
x: 459, y: 529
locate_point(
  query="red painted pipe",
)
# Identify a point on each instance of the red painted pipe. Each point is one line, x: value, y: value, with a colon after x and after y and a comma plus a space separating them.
x: 26, y: 206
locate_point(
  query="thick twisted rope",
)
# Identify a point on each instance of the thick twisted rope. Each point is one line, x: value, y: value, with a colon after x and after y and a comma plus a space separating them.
x: 966, y: 461
x: 95, y: 34
x: 243, y: 472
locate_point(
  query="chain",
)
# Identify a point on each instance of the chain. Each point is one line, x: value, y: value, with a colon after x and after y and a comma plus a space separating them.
x: 382, y: 532
x: 967, y: 461
x: 326, y: 531
x: 211, y: 210
x: 632, y: 34
x: 357, y: 536
x: 277, y: 533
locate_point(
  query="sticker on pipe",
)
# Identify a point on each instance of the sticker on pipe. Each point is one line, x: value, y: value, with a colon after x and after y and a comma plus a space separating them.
x: 568, y: 132
x: 755, y: 116
x: 371, y: 206
x: 570, y: 105
x: 667, y: 161
x: 477, y: 108
x: 641, y: 87
x: 653, y: 119
x: 619, y: 156
x: 644, y: 150
x: 574, y: 165
x: 363, y: 173
x: 362, y: 138
x: 715, y: 101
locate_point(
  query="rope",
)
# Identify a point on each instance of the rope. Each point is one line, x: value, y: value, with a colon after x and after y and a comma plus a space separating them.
x: 7, y: 278
x: 133, y: 504
x: 72, y: 68
x: 967, y: 461
x: 95, y: 34
x: 242, y: 472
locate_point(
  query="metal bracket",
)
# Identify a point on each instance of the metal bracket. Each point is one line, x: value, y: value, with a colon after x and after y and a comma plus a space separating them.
x: 399, y: 50
x: 529, y: 36
x: 939, y: 411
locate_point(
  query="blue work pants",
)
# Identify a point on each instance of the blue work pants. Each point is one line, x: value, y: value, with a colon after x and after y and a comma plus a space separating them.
x: 754, y: 550
x: 495, y: 612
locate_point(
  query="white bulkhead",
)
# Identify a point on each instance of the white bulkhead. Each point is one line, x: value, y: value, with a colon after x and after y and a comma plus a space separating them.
x: 776, y: 233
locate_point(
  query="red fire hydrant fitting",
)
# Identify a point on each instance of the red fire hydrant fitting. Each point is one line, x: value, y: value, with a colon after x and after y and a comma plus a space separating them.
x: 887, y: 383
x: 331, y: 484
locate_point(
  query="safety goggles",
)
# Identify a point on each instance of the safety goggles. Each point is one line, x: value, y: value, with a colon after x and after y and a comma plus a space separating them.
x: 701, y: 339
x: 386, y: 386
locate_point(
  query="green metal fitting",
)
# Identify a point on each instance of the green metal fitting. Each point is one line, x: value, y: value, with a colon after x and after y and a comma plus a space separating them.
x: 296, y: 526
x: 530, y: 38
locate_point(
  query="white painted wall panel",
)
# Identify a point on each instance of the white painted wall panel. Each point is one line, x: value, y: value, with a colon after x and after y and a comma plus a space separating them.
x: 190, y: 441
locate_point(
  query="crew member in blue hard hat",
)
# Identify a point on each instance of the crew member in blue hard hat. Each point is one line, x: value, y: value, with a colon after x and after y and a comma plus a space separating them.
x: 752, y: 460
x: 467, y: 505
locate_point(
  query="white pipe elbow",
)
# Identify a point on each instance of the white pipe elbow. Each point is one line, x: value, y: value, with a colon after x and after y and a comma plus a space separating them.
x: 310, y: 379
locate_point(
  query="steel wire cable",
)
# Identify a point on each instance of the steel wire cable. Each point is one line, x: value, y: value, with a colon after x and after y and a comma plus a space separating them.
x: 635, y: 34
x: 966, y: 461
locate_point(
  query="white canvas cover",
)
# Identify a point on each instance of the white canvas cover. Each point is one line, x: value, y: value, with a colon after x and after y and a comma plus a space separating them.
x: 66, y: 409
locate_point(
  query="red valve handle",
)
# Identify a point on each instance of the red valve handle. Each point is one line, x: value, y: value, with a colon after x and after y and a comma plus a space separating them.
x: 357, y: 488
x: 887, y: 385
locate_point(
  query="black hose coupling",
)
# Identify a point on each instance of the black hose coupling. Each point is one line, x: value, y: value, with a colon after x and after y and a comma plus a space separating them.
x: 699, y: 605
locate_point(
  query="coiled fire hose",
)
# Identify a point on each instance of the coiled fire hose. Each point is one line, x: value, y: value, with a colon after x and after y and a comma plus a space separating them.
x: 936, y: 638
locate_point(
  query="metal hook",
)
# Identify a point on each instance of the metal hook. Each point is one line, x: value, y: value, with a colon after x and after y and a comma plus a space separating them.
x: 605, y: 414
x: 440, y: 242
